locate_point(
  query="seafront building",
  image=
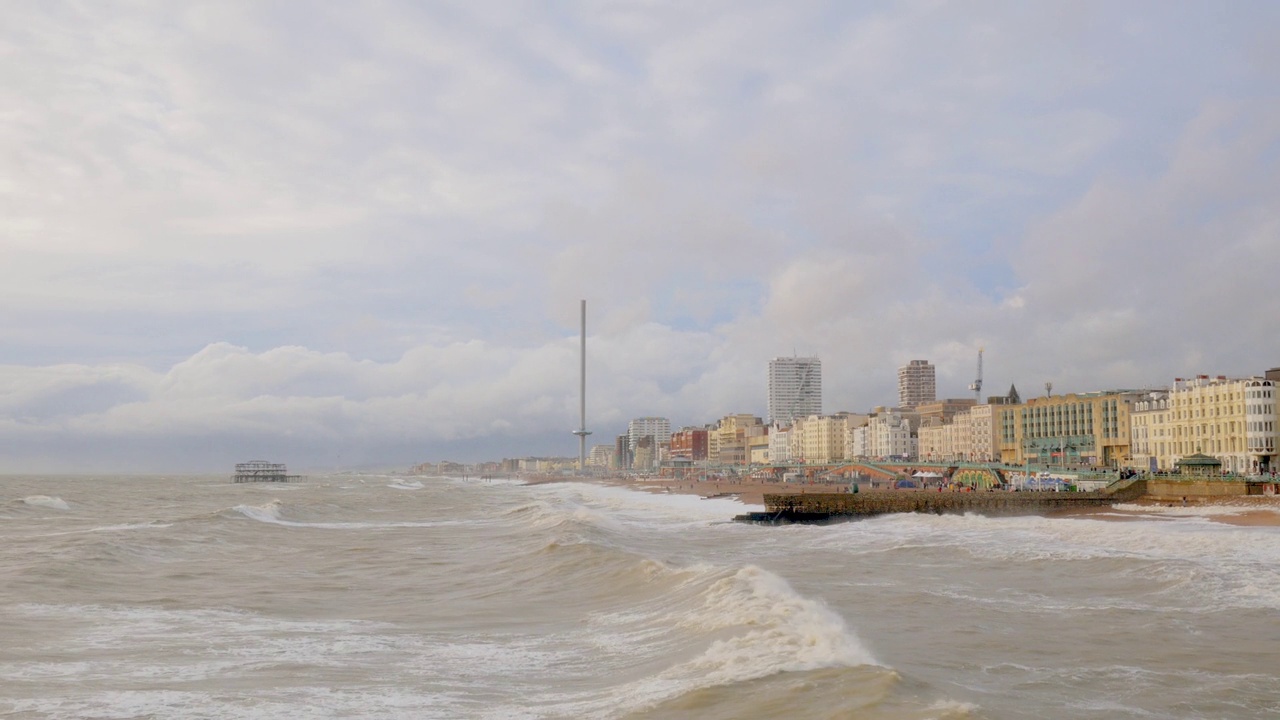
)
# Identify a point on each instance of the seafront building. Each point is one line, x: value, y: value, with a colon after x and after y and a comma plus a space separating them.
x: 967, y: 435
x: 1236, y: 421
x: 1231, y: 419
x: 779, y: 445
x: 795, y: 389
x: 1148, y: 428
x: 917, y: 384
x: 728, y: 443
x: 689, y: 445
x: 982, y: 439
x: 818, y: 439
x: 1073, y: 430
x: 646, y: 454
x: 888, y: 433
x: 601, y: 456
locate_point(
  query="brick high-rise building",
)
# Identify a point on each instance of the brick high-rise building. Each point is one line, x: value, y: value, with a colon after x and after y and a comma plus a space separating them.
x: 917, y: 384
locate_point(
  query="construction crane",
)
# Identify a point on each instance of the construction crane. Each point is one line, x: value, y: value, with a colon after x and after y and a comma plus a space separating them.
x: 976, y: 385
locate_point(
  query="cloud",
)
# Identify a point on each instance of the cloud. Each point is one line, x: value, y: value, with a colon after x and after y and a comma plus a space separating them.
x: 363, y: 231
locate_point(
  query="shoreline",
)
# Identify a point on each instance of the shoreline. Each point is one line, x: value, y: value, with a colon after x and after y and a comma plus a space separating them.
x: 747, y: 492
x: 1240, y: 511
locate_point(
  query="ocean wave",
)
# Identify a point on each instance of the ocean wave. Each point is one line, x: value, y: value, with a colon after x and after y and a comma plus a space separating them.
x: 543, y: 515
x: 692, y: 629
x: 46, y: 501
x: 125, y: 527
x: 788, y: 632
x: 270, y: 513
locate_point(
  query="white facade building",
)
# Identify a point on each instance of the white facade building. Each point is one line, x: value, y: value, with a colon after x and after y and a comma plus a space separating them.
x: 779, y: 447
x: 889, y: 435
x: 795, y: 389
x: 858, y: 441
x: 600, y: 456
x: 659, y: 428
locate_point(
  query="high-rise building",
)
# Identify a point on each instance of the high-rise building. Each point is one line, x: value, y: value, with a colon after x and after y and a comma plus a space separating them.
x: 795, y: 389
x: 916, y: 384
x: 659, y: 428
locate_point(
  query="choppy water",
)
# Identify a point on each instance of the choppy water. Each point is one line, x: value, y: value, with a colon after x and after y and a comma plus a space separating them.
x: 384, y: 597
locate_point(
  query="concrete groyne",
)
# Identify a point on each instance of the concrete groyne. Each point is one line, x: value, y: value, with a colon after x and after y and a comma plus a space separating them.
x: 822, y: 508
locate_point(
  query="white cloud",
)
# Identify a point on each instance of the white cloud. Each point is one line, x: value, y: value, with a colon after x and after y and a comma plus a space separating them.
x: 363, y: 231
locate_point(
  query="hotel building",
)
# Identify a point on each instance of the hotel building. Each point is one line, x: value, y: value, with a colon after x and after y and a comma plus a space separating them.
x: 1073, y: 430
x: 1233, y: 420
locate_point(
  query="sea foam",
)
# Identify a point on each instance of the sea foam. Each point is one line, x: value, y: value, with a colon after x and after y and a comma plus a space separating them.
x: 270, y: 513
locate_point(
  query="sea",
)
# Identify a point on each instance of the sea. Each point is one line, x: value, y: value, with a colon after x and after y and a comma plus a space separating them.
x: 383, y: 596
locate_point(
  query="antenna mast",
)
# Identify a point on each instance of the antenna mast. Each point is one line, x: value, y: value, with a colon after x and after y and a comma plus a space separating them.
x: 976, y: 385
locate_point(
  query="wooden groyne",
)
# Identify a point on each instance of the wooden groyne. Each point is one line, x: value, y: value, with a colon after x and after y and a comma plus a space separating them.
x: 821, y: 508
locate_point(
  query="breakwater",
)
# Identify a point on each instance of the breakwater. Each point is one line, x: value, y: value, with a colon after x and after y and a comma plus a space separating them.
x: 819, y: 508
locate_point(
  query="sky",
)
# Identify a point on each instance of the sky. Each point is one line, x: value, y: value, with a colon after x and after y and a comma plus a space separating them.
x: 345, y: 235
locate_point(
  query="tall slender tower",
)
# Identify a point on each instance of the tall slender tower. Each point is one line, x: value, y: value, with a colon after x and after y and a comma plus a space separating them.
x: 582, y: 431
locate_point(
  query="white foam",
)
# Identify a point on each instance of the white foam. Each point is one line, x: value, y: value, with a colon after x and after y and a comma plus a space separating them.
x: 1221, y: 564
x: 270, y: 514
x: 406, y: 485
x: 947, y: 709
x: 638, y: 504
x: 239, y: 645
x: 1193, y: 511
x: 46, y: 501
x: 111, y: 528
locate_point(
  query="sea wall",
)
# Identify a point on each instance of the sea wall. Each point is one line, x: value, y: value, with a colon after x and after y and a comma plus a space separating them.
x: 1165, y: 488
x: 865, y: 504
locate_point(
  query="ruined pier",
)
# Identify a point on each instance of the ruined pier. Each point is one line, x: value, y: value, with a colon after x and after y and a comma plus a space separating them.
x: 263, y: 471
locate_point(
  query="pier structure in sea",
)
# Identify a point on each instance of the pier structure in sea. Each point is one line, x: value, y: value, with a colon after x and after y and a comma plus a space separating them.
x: 263, y: 471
